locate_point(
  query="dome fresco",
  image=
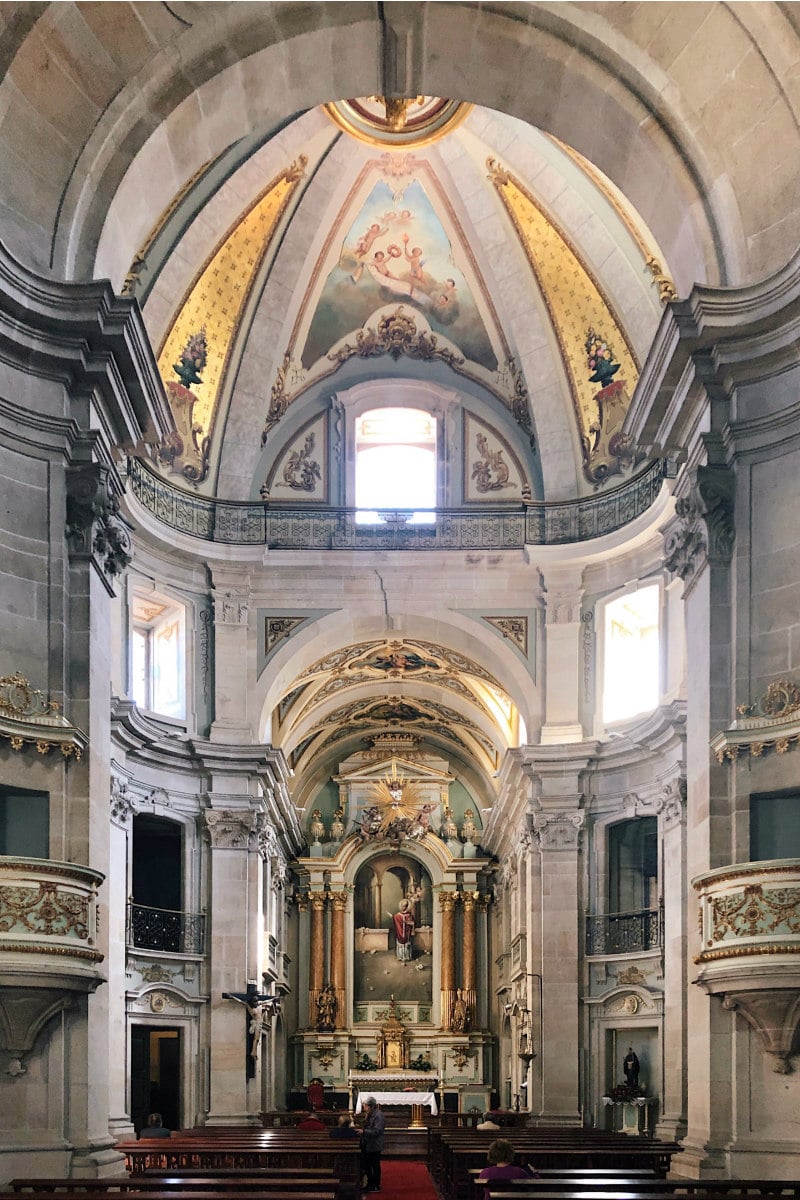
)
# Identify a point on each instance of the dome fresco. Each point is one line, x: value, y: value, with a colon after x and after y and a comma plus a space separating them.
x: 493, y: 275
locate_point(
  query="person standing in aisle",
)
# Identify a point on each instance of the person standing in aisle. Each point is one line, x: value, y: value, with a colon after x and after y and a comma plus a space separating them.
x: 372, y: 1144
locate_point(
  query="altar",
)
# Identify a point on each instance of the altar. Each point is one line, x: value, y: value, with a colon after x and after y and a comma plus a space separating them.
x: 385, y: 1099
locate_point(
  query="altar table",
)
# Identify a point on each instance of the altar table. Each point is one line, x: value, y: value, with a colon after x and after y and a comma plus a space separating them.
x: 424, y: 1099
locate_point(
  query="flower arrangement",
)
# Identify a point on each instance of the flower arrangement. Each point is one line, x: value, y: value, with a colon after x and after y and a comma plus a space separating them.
x: 624, y: 1093
x: 365, y: 1063
x: 600, y: 359
x: 193, y: 358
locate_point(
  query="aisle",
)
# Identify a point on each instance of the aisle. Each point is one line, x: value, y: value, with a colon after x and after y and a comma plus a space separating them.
x: 402, y: 1178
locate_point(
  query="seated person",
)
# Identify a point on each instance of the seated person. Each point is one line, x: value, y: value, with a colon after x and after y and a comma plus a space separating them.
x: 311, y: 1123
x: 154, y: 1128
x: 344, y: 1129
x: 486, y: 1122
x: 502, y: 1166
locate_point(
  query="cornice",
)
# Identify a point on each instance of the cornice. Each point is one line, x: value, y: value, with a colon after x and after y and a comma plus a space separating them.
x: 719, y: 337
x: 91, y: 340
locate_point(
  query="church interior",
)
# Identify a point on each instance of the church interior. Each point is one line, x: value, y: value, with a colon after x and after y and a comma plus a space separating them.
x: 399, y: 642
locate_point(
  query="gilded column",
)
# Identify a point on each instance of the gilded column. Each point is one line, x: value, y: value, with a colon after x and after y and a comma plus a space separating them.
x: 469, y: 954
x: 316, y: 954
x: 338, y: 956
x: 447, y: 902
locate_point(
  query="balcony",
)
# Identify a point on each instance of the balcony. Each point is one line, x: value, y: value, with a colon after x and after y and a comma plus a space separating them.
x: 750, y: 947
x: 323, y: 527
x: 165, y: 930
x: 48, y: 951
x: 624, y: 933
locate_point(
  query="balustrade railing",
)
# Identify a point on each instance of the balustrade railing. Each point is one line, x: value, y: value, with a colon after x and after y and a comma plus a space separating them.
x: 624, y: 933
x: 165, y: 929
x: 329, y: 528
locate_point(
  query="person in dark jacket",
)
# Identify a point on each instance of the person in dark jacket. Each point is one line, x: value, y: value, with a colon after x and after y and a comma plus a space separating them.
x: 372, y: 1144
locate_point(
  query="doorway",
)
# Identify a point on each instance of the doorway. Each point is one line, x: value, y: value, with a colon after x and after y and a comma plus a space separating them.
x: 155, y: 1074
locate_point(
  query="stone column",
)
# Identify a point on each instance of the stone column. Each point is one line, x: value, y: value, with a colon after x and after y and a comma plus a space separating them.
x: 339, y: 956
x: 121, y: 828
x: 447, y: 902
x: 699, y: 546
x: 563, y: 657
x: 316, y: 954
x: 469, y: 965
x: 235, y: 877
x: 672, y: 818
x: 231, y: 606
x: 557, y: 777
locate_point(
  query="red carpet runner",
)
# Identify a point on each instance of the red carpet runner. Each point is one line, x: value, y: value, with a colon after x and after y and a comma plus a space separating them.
x: 402, y: 1179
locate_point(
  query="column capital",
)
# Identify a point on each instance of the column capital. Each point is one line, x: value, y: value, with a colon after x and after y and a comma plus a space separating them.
x: 340, y: 900
x: 702, y: 531
x: 231, y: 829
x: 95, y: 530
x: 558, y: 830
x: 447, y: 901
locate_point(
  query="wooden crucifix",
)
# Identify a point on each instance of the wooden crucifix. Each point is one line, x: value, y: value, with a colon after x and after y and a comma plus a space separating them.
x: 259, y: 1008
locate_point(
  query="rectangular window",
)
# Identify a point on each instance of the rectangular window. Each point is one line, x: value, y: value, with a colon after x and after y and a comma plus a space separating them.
x: 395, y: 468
x: 157, y: 652
x: 24, y: 823
x: 775, y: 826
x: 631, y: 655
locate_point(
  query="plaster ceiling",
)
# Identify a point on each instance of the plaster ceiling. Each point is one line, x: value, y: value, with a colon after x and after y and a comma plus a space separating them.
x: 488, y: 261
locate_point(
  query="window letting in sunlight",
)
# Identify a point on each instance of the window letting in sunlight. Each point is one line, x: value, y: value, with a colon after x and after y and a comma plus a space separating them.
x: 157, y: 655
x: 395, y: 465
x: 631, y: 658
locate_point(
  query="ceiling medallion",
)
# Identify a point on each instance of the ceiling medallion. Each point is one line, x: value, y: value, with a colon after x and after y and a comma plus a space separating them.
x: 398, y: 121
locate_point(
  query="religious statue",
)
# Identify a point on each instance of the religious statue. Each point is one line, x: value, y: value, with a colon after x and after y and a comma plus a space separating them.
x: 316, y: 828
x: 337, y: 825
x: 257, y: 1028
x: 630, y: 1067
x: 459, y: 1021
x: 404, y: 926
x: 326, y: 1008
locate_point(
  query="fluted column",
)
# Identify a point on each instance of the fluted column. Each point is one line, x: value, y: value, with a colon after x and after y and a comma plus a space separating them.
x: 338, y: 956
x: 469, y: 953
x: 447, y: 902
x: 316, y: 953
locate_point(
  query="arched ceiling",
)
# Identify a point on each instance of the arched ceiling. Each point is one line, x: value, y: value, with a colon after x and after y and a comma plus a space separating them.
x: 607, y: 152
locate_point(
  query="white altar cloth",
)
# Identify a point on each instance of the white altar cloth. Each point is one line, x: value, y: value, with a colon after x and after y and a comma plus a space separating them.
x: 425, y: 1098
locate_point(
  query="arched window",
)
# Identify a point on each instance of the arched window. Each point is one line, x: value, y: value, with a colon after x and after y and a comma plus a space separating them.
x: 395, y: 464
x: 631, y: 654
x: 158, y: 661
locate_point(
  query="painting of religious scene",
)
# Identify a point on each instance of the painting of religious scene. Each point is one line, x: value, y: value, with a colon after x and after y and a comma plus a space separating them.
x: 393, y: 931
x: 397, y: 249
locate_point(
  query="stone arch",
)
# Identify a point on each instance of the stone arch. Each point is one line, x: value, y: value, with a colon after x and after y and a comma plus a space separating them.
x: 170, y: 102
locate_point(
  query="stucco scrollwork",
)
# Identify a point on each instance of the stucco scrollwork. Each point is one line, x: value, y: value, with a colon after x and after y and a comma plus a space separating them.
x: 231, y: 829
x: 122, y: 802
x: 671, y: 804
x: 95, y: 530
x: 704, y: 529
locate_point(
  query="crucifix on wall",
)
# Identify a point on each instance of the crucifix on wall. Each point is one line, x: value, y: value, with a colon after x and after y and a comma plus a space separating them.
x: 260, y: 1009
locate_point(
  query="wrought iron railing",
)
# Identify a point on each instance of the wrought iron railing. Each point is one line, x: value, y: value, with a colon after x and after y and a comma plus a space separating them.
x: 330, y: 528
x: 625, y: 933
x: 166, y: 930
